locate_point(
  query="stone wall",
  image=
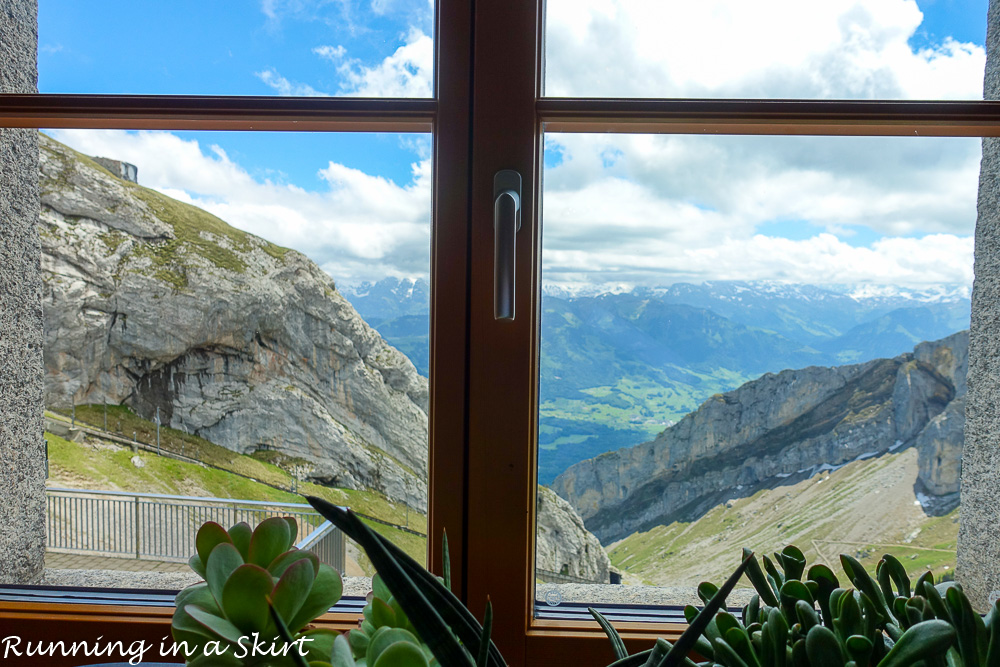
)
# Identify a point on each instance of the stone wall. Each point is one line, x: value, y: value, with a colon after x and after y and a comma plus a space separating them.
x: 979, y: 535
x: 22, y: 453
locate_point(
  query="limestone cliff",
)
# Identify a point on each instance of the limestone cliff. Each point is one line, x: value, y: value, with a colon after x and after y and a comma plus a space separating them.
x: 156, y: 304
x: 776, y: 427
x: 563, y: 544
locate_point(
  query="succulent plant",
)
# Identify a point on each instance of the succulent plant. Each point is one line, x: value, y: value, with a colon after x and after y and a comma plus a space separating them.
x: 812, y: 621
x: 432, y: 614
x: 384, y: 624
x: 259, y: 595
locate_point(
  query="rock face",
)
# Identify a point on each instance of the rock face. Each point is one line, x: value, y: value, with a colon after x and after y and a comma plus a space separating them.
x: 563, y: 544
x: 941, y: 442
x: 22, y: 450
x: 778, y: 426
x: 156, y: 304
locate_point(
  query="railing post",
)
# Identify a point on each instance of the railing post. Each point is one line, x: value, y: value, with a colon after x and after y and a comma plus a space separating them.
x: 135, y: 527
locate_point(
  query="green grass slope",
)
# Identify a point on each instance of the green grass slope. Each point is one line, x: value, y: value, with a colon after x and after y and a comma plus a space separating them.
x: 866, y: 509
x: 105, y: 466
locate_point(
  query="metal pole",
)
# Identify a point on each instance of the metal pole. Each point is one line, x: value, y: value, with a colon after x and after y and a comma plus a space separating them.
x: 157, y: 431
x: 135, y: 526
x: 46, y: 458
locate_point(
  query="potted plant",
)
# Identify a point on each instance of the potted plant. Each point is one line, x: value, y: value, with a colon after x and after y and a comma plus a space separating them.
x: 804, y: 618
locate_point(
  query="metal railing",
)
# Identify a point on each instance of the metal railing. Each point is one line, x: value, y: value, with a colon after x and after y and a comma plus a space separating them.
x: 163, y: 527
x: 327, y: 542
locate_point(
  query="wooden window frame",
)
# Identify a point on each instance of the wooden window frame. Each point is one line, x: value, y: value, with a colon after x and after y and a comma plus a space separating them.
x: 489, y: 114
x: 510, y: 114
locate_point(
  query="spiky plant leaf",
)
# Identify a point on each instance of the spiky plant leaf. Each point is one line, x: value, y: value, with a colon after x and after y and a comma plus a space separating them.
x: 617, y: 645
x: 687, y: 640
x: 920, y: 642
x: 455, y: 614
x: 428, y: 622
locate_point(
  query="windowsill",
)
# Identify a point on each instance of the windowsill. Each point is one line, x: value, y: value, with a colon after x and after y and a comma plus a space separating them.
x: 76, y: 603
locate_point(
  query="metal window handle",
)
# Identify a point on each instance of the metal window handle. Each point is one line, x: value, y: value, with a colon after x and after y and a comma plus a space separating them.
x: 506, y: 223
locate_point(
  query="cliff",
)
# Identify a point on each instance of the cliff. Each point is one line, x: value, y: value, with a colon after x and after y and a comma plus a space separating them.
x: 777, y: 427
x: 563, y: 544
x: 156, y: 304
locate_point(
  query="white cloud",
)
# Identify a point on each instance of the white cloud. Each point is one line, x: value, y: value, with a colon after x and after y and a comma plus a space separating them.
x: 408, y: 72
x: 655, y: 209
x: 363, y: 227
x: 283, y: 86
x: 771, y: 48
x: 334, y: 53
x: 669, y: 208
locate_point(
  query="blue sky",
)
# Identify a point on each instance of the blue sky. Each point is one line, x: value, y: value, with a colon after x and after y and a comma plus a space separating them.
x: 815, y: 207
x: 213, y: 48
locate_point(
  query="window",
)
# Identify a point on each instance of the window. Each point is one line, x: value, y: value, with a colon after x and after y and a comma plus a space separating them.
x: 488, y: 114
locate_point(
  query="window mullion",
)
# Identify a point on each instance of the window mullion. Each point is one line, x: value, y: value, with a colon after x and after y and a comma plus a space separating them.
x: 503, y: 377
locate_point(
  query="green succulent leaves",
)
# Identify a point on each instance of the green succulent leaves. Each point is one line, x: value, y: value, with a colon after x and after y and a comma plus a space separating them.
x: 814, y: 622
x: 258, y: 587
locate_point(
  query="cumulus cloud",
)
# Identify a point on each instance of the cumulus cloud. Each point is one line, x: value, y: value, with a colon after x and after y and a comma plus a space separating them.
x: 662, y: 209
x: 774, y: 48
x: 655, y: 209
x: 362, y: 227
x: 407, y: 72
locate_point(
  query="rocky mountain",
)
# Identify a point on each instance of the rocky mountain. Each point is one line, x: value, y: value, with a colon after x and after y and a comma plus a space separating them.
x: 778, y: 428
x: 159, y: 305
x: 563, y: 544
x: 400, y: 310
x: 618, y: 366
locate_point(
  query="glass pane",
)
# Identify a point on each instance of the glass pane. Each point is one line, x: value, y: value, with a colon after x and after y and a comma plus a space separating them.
x: 273, y: 47
x: 842, y: 49
x: 209, y: 343
x: 749, y: 342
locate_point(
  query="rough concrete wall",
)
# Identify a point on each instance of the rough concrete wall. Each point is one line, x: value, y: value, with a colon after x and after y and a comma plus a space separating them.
x: 979, y: 535
x: 22, y: 454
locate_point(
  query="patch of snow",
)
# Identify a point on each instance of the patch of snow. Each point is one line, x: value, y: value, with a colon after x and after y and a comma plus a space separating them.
x: 897, y: 445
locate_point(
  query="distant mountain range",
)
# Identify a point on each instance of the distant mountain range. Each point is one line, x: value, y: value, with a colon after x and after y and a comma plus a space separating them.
x: 618, y: 367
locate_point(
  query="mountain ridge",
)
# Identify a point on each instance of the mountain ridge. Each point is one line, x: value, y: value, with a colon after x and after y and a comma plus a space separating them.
x: 161, y: 306
x: 778, y: 426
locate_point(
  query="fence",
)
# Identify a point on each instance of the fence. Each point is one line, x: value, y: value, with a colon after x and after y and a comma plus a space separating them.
x: 105, y: 435
x: 163, y: 527
x: 327, y: 542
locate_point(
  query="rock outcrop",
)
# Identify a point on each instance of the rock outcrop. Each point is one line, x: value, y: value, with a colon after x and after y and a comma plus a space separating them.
x: 940, y: 443
x: 563, y: 544
x: 779, y: 426
x: 159, y: 305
